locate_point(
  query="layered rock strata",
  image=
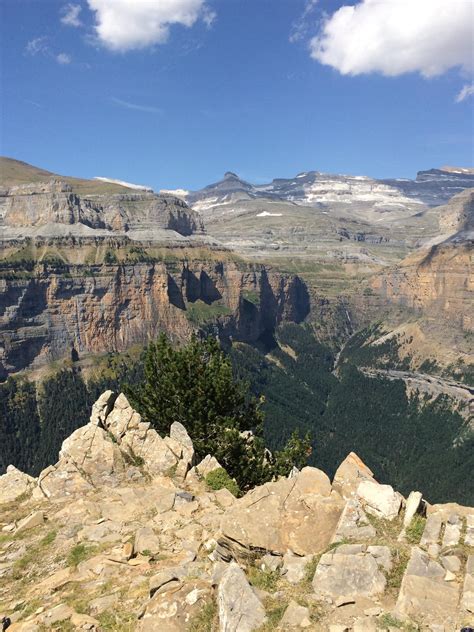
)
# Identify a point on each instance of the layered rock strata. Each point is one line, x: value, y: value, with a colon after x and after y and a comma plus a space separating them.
x: 48, y: 312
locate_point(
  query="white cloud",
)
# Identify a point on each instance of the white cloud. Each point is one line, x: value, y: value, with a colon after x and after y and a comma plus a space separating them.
x: 393, y: 37
x: 70, y: 15
x: 301, y: 27
x: 123, y: 25
x: 37, y: 46
x: 465, y: 92
x: 40, y: 46
x: 63, y: 59
x: 136, y: 106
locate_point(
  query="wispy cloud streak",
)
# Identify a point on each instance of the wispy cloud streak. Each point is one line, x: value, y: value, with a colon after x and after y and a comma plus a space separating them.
x: 150, y: 109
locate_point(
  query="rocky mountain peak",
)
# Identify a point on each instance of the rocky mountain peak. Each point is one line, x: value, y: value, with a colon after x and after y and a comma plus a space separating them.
x: 124, y: 529
x: 230, y: 175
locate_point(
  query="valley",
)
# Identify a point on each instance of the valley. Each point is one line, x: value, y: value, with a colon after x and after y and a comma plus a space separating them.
x: 318, y: 287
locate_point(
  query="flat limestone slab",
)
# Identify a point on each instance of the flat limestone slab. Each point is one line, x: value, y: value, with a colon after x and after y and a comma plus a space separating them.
x: 350, y: 572
x: 424, y: 593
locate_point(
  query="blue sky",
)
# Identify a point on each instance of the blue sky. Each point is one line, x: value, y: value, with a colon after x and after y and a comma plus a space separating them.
x: 175, y: 96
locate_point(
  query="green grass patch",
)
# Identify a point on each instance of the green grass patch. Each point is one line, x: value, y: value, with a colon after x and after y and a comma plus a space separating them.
x: 274, y: 609
x: 310, y: 570
x: 48, y: 538
x: 400, y: 557
x: 415, y: 529
x: 264, y: 580
x: 200, y: 313
x: 79, y: 553
x: 220, y: 479
x: 206, y: 619
x: 252, y: 297
x: 118, y: 621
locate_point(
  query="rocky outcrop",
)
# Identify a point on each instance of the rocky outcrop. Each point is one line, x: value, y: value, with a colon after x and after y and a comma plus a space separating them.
x: 281, y: 515
x: 123, y: 532
x: 35, y: 209
x: 240, y: 610
x: 434, y: 282
x: 15, y: 484
x: 110, y: 449
x: 50, y: 311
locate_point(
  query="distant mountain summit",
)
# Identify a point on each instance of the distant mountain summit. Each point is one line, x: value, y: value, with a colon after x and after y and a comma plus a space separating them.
x: 432, y: 187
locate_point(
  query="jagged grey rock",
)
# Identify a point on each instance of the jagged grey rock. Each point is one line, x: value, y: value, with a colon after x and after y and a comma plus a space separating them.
x: 380, y: 500
x: 294, y: 567
x: 146, y: 541
x: 271, y: 562
x: 452, y: 531
x: 240, y: 610
x: 282, y: 515
x: 353, y: 523
x: 350, y: 572
x: 351, y: 472
x: 431, y: 530
x: 30, y: 522
x: 14, y: 484
x: 411, y: 508
x: 295, y: 616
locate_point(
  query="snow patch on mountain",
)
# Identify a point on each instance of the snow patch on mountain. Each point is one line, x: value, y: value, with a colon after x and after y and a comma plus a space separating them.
x: 129, y: 185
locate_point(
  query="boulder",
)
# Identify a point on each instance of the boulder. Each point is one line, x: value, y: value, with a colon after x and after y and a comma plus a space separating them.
x: 271, y: 562
x: 349, y: 475
x: 88, y: 458
x: 432, y: 530
x: 294, y: 567
x: 349, y: 572
x: 310, y: 480
x: 172, y: 610
x: 282, y: 515
x: 469, y: 536
x: 452, y: 531
x: 379, y: 500
x: 412, y: 507
x: 35, y: 519
x: 240, y: 610
x: 208, y: 464
x: 15, y: 484
x: 295, y: 616
x: 165, y: 580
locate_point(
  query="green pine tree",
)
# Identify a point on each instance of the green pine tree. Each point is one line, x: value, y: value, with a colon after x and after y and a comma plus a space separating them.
x: 194, y: 384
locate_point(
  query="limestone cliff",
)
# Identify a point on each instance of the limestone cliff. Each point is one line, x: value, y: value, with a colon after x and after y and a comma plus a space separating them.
x: 50, y: 310
x: 437, y: 283
x: 48, y: 207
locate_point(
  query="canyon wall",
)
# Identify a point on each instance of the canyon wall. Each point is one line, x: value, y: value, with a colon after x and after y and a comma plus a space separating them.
x: 49, y: 312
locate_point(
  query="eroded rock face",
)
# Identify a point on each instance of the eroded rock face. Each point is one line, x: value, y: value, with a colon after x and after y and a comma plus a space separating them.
x: 49, y: 203
x: 111, y: 307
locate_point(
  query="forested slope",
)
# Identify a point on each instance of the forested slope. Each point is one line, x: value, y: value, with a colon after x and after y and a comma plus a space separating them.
x: 408, y: 442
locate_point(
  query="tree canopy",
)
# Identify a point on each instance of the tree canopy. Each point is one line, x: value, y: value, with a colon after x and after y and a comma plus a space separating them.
x: 194, y: 384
